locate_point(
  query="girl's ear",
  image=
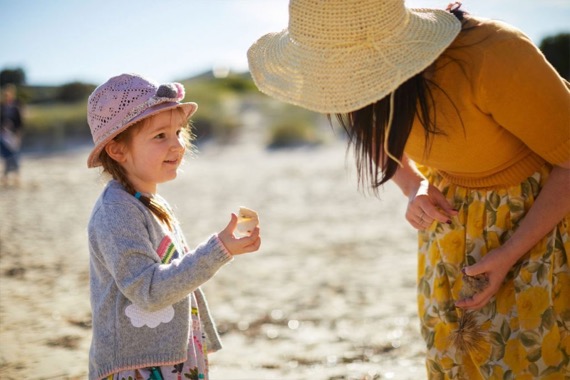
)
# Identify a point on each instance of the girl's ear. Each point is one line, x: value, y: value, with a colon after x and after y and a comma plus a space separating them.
x: 116, y: 151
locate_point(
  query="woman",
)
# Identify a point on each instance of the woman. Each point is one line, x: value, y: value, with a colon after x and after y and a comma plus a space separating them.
x: 467, y: 117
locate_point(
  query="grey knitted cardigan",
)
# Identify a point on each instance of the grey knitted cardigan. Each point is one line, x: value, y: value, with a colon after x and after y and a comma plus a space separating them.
x: 140, y: 302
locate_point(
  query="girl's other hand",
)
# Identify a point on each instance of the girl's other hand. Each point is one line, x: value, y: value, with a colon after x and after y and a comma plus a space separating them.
x: 238, y: 246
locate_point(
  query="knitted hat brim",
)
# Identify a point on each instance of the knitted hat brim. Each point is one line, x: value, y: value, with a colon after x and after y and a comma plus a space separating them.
x: 347, y: 78
x: 188, y: 109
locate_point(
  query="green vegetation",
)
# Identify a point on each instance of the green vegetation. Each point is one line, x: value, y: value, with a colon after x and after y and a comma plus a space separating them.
x: 292, y: 133
x: 556, y: 49
x: 44, y: 116
x: 55, y: 126
x: 55, y: 116
x: 218, y: 101
x: 293, y: 127
x: 15, y: 76
x: 74, y: 92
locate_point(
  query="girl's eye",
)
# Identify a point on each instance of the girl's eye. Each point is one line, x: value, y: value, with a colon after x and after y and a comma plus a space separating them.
x: 159, y: 136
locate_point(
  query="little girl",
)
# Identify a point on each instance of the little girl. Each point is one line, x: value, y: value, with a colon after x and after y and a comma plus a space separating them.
x: 150, y: 318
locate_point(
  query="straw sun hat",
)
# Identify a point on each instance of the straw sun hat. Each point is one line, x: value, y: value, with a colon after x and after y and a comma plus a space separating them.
x: 338, y: 56
x: 125, y: 99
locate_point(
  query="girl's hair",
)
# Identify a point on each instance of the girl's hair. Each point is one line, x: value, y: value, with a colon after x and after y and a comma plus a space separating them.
x: 366, y: 127
x: 118, y: 173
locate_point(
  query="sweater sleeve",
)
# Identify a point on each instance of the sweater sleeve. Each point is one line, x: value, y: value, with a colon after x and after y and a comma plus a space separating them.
x: 121, y: 238
x: 525, y: 95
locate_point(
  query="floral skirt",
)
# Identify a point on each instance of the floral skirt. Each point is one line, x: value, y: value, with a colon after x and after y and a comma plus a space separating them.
x: 194, y: 368
x: 524, y: 331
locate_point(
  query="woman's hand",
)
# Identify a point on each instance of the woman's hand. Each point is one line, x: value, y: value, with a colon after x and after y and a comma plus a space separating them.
x: 496, y: 264
x: 427, y: 204
x: 549, y: 208
x: 238, y: 246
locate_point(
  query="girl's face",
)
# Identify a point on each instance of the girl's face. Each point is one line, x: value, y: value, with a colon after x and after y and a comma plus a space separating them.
x: 154, y: 152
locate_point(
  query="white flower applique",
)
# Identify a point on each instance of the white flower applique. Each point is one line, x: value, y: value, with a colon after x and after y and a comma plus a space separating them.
x: 140, y: 317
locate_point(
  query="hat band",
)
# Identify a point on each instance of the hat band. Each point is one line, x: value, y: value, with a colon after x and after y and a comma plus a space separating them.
x: 136, y: 111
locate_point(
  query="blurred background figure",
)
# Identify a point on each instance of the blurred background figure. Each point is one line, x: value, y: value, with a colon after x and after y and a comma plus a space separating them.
x: 11, y: 127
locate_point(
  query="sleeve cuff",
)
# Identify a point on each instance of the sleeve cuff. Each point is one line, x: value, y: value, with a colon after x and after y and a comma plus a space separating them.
x: 219, y: 249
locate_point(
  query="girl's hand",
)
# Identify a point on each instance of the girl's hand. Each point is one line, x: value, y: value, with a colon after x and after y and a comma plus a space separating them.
x: 427, y: 204
x: 496, y: 265
x: 237, y: 246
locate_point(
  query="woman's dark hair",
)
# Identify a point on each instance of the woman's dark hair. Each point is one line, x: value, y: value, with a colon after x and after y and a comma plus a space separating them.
x: 366, y: 128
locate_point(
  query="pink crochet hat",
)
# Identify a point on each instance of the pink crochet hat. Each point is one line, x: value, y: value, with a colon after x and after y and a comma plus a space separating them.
x: 125, y: 99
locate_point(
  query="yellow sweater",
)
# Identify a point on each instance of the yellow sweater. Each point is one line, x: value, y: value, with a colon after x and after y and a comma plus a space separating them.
x: 504, y: 114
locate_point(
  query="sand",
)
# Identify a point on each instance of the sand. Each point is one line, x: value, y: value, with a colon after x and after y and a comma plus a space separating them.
x: 330, y: 295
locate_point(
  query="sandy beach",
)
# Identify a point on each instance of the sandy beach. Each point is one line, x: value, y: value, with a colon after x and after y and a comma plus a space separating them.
x: 329, y: 296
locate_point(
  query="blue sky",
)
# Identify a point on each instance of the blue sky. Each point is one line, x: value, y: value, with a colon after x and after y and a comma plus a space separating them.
x: 59, y: 41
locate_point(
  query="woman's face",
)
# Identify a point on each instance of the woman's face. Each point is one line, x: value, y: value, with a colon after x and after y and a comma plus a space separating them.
x: 154, y: 152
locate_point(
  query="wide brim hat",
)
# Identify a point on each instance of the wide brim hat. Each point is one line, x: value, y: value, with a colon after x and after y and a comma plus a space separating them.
x: 124, y: 100
x: 337, y: 56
